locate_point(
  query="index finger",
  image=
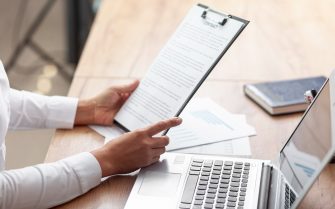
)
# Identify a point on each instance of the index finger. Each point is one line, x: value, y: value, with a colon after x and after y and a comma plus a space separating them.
x: 162, y: 125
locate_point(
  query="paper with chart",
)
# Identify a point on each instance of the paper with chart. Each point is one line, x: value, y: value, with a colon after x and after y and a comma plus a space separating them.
x: 180, y: 67
x: 190, y: 138
x: 206, y: 122
x: 234, y: 147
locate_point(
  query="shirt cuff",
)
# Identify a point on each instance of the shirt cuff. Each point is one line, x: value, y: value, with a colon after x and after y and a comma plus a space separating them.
x: 87, y: 168
x: 61, y: 117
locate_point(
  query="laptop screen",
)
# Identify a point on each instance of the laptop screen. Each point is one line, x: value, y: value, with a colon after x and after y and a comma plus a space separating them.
x: 301, y: 158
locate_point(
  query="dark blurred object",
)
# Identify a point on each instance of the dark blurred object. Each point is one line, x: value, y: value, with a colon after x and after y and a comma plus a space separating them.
x: 80, y: 16
x: 310, y: 95
x: 27, y: 40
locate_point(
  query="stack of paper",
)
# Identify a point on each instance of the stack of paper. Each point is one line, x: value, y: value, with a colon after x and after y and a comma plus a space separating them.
x: 207, y: 128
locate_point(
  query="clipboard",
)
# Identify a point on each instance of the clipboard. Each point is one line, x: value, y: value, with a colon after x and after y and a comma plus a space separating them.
x: 211, y: 18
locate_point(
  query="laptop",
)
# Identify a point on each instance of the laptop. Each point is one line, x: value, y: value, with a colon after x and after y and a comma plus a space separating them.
x: 198, y: 181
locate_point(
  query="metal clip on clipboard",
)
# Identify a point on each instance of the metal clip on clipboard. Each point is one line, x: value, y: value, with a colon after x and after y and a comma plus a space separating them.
x: 204, y: 15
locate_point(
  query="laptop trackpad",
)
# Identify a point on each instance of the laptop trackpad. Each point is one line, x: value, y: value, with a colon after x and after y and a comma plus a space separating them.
x: 160, y: 184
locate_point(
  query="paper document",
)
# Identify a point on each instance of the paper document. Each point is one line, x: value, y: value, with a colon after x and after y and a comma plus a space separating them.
x: 207, y: 128
x: 178, y: 70
x: 206, y: 122
x: 235, y: 147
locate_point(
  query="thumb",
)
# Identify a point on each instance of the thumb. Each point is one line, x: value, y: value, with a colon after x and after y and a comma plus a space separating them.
x: 126, y: 88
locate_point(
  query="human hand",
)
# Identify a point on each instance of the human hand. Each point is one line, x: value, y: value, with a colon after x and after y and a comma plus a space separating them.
x: 135, y: 149
x: 101, y: 109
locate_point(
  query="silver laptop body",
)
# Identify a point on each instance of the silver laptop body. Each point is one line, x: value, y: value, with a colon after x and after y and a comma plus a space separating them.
x: 199, y: 181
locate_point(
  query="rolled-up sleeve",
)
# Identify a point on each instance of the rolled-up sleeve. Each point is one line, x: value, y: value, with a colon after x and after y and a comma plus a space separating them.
x: 29, y: 110
x: 48, y: 185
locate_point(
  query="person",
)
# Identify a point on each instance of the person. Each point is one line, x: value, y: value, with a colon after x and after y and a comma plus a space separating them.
x: 48, y: 185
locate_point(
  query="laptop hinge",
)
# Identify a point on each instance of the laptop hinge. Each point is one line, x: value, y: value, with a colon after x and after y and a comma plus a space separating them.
x: 264, y: 187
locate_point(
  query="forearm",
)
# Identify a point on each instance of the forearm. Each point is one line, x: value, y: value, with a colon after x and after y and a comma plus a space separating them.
x: 29, y: 110
x: 85, y: 112
x: 72, y: 176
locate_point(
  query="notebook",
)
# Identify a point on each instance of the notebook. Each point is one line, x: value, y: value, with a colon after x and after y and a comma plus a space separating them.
x: 282, y: 97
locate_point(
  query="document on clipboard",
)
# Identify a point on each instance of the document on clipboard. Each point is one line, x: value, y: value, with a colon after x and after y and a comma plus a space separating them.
x: 181, y: 67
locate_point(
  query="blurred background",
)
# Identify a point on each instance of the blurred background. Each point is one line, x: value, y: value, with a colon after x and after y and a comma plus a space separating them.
x: 40, y: 45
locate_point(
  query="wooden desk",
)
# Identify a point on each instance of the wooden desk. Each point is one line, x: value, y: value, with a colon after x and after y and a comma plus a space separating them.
x: 285, y: 39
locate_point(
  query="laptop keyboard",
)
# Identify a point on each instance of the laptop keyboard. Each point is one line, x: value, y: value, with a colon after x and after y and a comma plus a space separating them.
x: 215, y: 184
x: 289, y: 197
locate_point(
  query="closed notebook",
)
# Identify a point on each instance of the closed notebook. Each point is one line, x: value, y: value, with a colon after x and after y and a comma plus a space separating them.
x: 282, y: 97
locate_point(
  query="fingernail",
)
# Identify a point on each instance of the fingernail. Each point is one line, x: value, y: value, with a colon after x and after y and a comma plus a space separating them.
x: 178, y: 119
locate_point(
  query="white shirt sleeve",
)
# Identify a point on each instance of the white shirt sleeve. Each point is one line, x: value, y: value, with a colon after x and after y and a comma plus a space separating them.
x: 29, y: 110
x: 48, y: 185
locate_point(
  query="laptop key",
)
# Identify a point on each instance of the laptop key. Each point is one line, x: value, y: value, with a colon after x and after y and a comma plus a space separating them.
x: 237, y: 171
x: 195, y: 168
x: 233, y: 189
x: 227, y: 167
x: 202, y: 187
x: 209, y: 201
x: 214, y: 181
x: 215, y: 176
x: 227, y: 172
x: 224, y: 176
x: 199, y: 197
x: 184, y: 206
x: 236, y: 175
x: 236, y: 180
x: 223, y: 190
x: 222, y: 195
x: 238, y: 166
x: 228, y: 163
x: 203, y: 182
x: 197, y: 207
x: 219, y: 205
x: 218, y: 168
x: 207, y: 205
x: 196, y: 164
x: 206, y: 169
x: 223, y: 185
x: 231, y: 204
x: 204, y: 178
x: 198, y: 202
x: 242, y: 193
x: 205, y: 173
x: 225, y: 181
x: 194, y: 172
x: 210, y: 196
x: 197, y: 160
x: 216, y: 172
x: 218, y: 162
x: 233, y: 195
x: 200, y: 192
x: 221, y: 200
x: 234, y: 184
x: 241, y: 203
x: 189, y: 189
x: 212, y: 191
x: 213, y: 186
x: 241, y: 199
